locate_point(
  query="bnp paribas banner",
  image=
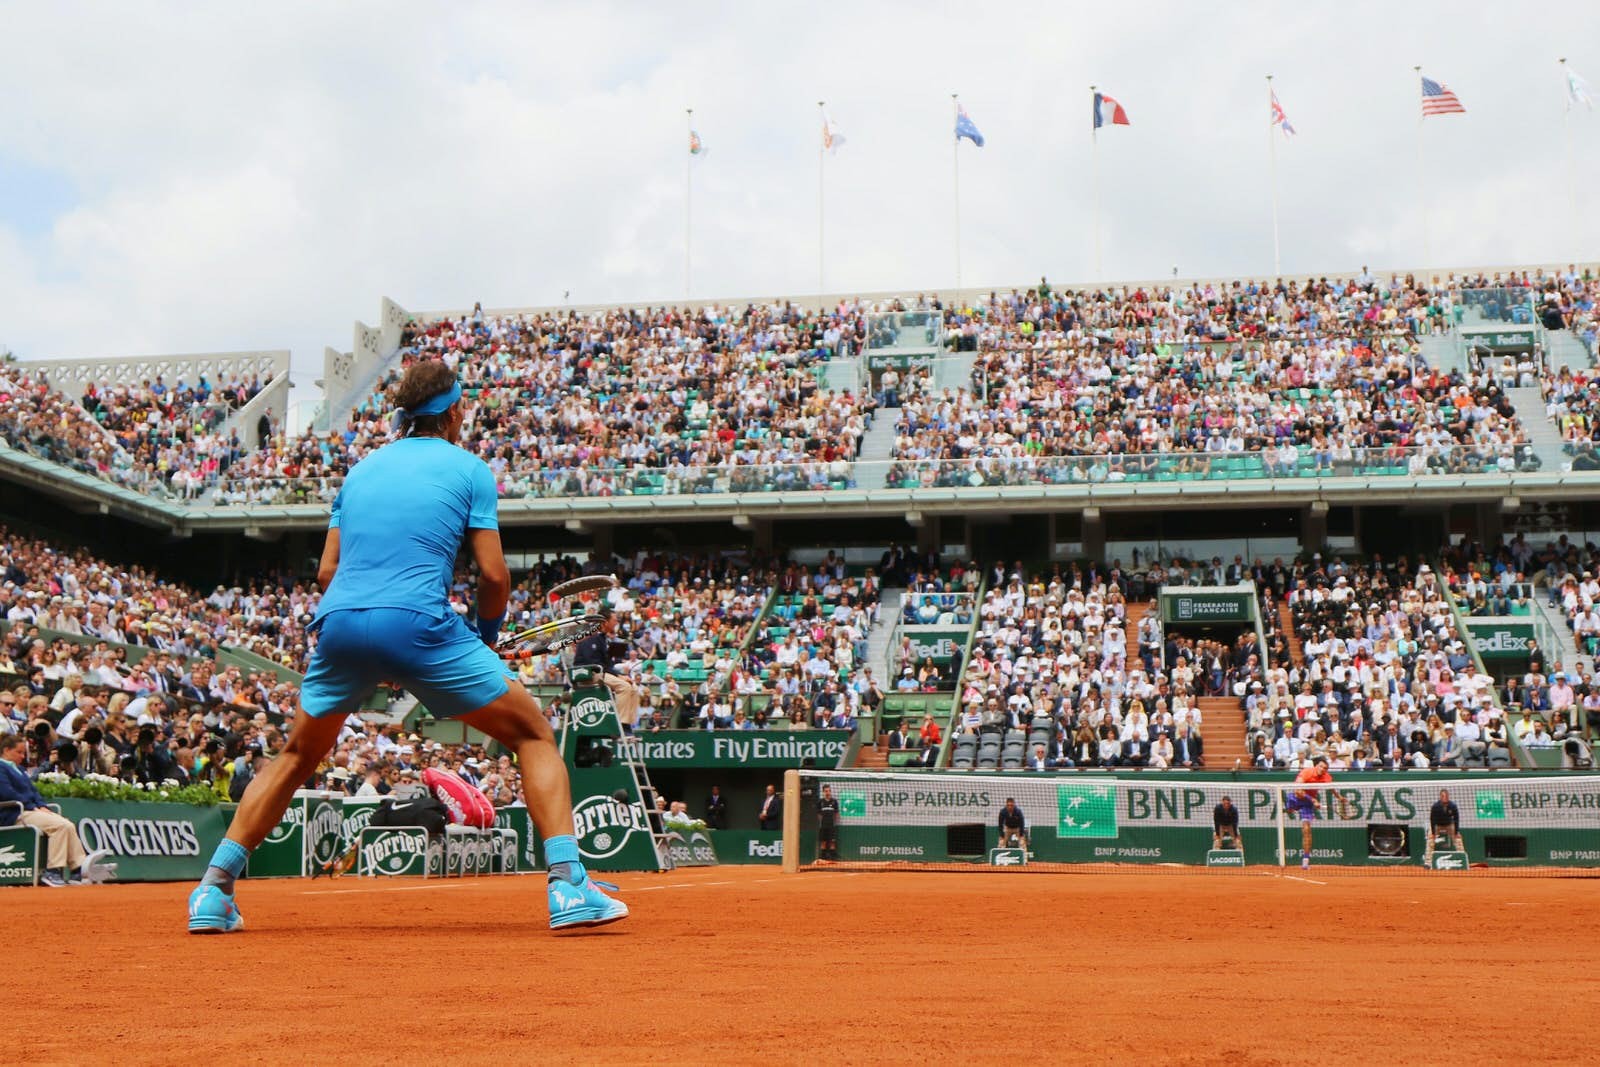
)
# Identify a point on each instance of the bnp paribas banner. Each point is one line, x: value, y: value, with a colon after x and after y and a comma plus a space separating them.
x: 1103, y: 807
x: 758, y: 749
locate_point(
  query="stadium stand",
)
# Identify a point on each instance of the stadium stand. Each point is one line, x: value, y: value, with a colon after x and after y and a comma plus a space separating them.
x: 616, y: 402
x: 806, y: 664
x: 1379, y: 675
x: 1237, y: 380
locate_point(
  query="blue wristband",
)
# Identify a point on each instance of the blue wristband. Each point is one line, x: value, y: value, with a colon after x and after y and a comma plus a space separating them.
x: 489, y: 629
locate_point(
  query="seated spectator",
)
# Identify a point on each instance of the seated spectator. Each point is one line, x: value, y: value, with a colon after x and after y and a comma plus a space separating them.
x: 66, y: 857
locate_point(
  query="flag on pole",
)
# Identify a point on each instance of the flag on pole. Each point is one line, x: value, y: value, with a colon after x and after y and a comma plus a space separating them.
x: 697, y: 147
x: 1579, y: 91
x: 965, y: 127
x: 1107, y: 112
x: 831, y: 138
x: 1437, y: 100
x: 1279, y: 119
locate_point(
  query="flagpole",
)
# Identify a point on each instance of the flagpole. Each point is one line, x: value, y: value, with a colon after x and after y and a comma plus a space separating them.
x: 1566, y: 136
x: 1272, y: 152
x: 1094, y: 154
x: 955, y: 159
x: 688, y: 205
x: 821, y: 229
x: 1422, y: 184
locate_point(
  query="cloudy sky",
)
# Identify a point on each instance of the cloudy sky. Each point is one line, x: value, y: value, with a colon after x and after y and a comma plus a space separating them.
x: 186, y: 177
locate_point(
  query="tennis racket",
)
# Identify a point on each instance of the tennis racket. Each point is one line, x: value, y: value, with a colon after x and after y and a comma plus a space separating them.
x: 551, y: 636
x: 592, y: 583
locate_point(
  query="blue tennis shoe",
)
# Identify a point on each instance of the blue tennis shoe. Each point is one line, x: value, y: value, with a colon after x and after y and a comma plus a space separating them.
x: 583, y: 904
x: 211, y: 911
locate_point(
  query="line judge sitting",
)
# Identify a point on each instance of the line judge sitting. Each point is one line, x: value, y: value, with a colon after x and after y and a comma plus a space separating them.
x: 66, y: 851
x: 597, y: 651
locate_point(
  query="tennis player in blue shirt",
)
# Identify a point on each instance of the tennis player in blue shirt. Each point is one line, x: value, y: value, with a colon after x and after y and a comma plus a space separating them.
x: 385, y: 615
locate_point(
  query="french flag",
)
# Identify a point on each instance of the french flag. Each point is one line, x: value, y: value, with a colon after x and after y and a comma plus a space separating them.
x: 1107, y: 112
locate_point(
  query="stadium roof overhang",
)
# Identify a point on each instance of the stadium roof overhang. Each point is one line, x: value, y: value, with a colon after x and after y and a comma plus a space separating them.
x: 87, y: 493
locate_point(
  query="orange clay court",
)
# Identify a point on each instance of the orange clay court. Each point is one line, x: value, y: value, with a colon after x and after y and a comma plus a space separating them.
x: 747, y: 965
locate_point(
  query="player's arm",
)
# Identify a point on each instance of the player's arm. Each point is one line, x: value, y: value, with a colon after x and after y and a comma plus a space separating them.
x: 494, y: 581
x: 330, y: 559
x: 483, y: 539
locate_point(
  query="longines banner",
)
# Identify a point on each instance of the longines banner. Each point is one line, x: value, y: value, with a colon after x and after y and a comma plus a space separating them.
x: 149, y: 842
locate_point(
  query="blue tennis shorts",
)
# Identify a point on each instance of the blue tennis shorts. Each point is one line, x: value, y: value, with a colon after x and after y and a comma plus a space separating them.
x: 1303, y: 807
x: 441, y: 661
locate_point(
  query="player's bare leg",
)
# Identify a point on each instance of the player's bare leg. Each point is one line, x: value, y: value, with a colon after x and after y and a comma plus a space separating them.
x: 269, y: 793
x: 1305, y: 845
x: 516, y: 720
x: 211, y: 906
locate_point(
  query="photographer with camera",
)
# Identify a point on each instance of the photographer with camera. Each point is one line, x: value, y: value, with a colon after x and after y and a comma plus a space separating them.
x: 95, y: 756
x: 151, y: 760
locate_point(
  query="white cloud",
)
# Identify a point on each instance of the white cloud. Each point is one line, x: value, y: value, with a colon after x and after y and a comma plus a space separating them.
x: 260, y: 178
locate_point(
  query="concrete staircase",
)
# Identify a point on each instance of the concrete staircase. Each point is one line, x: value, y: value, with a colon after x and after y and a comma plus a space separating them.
x: 1543, y: 436
x: 1445, y: 351
x: 1566, y: 651
x: 877, y: 447
x: 874, y: 754
x: 1224, y: 733
x: 1297, y: 655
x: 879, y: 637
x: 1563, y: 349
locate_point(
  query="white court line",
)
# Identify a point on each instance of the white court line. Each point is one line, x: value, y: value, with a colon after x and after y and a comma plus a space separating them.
x: 680, y: 885
x: 445, y: 885
x: 1297, y: 878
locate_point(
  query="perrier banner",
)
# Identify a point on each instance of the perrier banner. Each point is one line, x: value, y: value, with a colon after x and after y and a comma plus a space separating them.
x: 308, y: 838
x: 608, y: 813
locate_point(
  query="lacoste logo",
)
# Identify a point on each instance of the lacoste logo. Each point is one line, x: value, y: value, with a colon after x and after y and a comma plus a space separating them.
x: 10, y: 857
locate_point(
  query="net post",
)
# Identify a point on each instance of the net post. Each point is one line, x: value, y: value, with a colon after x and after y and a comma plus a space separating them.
x: 1283, y: 856
x: 791, y: 821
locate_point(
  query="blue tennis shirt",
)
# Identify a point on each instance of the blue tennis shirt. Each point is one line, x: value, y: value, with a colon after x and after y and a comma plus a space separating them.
x: 401, y: 517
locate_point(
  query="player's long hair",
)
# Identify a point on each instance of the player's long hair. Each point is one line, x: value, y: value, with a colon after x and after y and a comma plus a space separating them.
x: 421, y: 382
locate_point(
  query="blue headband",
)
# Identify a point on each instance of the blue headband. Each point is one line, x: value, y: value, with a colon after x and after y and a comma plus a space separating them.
x: 437, y: 405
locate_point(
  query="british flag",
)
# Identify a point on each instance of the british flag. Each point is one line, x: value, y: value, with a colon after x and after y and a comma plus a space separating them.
x: 1279, y: 119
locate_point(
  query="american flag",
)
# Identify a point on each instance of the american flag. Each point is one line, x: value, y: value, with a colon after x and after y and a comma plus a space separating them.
x: 1437, y: 100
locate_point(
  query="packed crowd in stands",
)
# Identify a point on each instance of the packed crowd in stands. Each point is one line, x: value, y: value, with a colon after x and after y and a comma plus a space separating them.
x: 616, y: 402
x: 149, y: 436
x: 1504, y: 579
x: 1384, y: 680
x: 1321, y: 378
x: 1572, y: 400
x: 139, y: 690
x: 1053, y: 682
x: 1241, y: 379
x: 806, y: 666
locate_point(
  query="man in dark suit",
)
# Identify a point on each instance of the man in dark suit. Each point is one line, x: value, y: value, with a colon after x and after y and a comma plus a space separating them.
x: 1188, y: 750
x: 900, y: 737
x: 771, y: 815
x: 716, y: 809
x: 1392, y: 748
